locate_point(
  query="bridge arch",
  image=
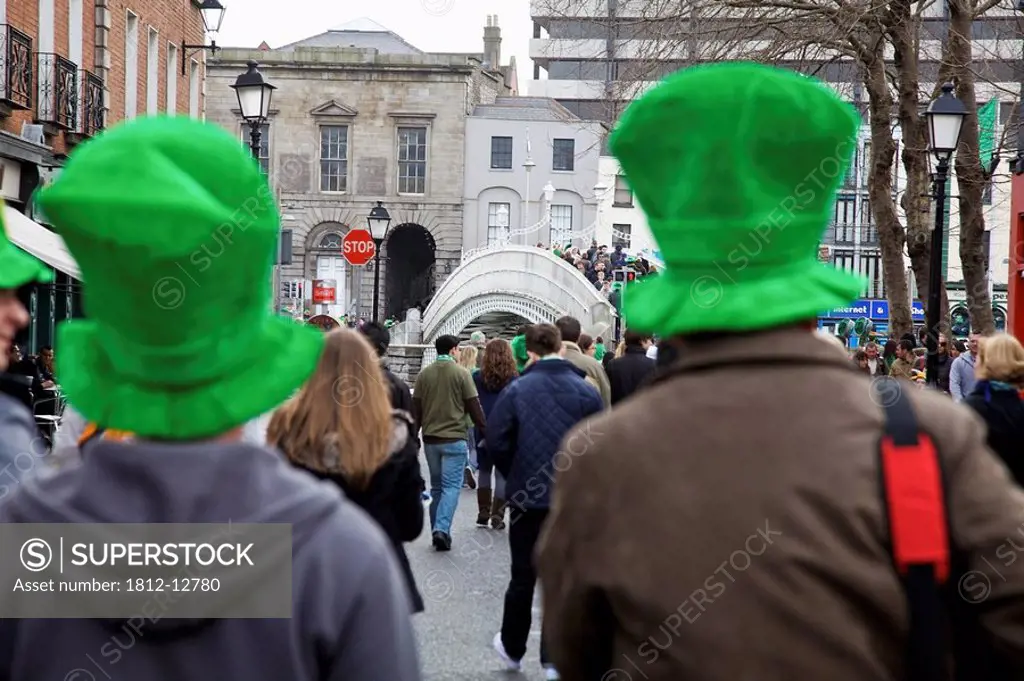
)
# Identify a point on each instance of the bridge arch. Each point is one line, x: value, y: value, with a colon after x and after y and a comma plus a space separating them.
x: 522, y: 280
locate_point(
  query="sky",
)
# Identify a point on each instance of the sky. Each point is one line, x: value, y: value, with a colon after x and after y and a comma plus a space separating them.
x: 430, y: 25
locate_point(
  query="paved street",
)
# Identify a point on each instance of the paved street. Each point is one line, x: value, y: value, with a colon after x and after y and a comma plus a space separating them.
x: 464, y: 590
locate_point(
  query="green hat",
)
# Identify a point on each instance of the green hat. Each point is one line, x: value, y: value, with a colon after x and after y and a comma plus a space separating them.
x: 175, y: 229
x: 17, y: 267
x: 736, y: 166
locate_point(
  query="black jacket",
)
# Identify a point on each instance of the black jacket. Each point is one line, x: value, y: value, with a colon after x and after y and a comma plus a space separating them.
x: 629, y: 372
x: 394, y: 496
x: 401, y: 396
x: 1003, y: 412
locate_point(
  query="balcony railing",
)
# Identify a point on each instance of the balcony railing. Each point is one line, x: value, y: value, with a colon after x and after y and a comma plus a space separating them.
x: 15, y: 68
x: 58, y: 91
x: 92, y: 114
x: 846, y: 235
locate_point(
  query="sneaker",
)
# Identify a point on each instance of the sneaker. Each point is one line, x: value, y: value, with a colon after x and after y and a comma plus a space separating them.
x: 551, y: 674
x: 499, y: 647
x: 468, y: 479
x: 425, y: 496
x: 442, y: 541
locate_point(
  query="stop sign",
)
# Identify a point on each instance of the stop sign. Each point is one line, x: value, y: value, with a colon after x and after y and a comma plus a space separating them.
x: 358, y: 247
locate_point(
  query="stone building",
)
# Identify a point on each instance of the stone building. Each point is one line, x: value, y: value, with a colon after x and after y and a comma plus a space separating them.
x: 361, y: 116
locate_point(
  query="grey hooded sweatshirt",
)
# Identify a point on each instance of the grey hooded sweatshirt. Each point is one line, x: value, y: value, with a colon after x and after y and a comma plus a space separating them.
x: 350, y: 616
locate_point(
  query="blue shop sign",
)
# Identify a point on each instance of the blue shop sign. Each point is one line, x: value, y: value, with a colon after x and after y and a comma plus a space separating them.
x: 872, y: 309
x: 855, y: 310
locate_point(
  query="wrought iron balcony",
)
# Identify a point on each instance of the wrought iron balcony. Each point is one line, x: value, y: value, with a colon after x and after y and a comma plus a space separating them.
x: 58, y: 91
x: 93, y: 114
x: 846, y: 235
x: 15, y: 68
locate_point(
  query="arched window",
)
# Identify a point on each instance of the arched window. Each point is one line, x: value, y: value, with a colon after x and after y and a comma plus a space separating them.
x: 330, y: 241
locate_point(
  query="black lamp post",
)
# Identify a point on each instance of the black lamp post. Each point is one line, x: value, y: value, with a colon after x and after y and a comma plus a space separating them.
x: 212, y: 13
x: 378, y: 221
x: 945, y: 118
x: 254, y: 95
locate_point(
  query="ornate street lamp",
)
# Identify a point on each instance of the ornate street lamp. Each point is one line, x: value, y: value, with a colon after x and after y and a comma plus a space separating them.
x: 212, y: 14
x: 379, y: 220
x: 945, y: 119
x: 254, y: 96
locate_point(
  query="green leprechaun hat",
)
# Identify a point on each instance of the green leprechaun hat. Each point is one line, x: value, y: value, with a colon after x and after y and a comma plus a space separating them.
x: 736, y: 166
x: 174, y: 228
x: 18, y: 268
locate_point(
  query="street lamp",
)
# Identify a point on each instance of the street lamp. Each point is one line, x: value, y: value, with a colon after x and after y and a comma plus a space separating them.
x: 254, y: 95
x: 212, y: 14
x: 599, y: 190
x: 378, y: 221
x: 945, y: 118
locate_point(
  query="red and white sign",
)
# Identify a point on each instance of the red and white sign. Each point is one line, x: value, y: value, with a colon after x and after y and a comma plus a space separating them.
x: 358, y: 247
x: 325, y: 291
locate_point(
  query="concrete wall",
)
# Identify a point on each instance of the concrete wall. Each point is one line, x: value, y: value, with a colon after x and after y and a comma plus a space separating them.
x: 373, y: 94
x: 484, y: 185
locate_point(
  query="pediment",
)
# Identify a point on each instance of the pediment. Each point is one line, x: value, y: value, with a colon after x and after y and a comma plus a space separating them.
x: 333, y: 108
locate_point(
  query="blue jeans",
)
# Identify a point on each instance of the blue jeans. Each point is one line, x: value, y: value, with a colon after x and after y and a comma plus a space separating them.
x: 446, y: 463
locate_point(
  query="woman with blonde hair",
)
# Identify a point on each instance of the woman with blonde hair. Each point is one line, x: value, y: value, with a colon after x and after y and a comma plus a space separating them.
x: 997, y: 398
x: 468, y: 355
x: 340, y: 427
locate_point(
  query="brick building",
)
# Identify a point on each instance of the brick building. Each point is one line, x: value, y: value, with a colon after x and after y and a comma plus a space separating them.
x: 68, y: 69
x: 361, y: 116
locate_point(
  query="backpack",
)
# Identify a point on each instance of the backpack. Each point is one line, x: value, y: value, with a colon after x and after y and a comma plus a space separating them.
x: 946, y: 640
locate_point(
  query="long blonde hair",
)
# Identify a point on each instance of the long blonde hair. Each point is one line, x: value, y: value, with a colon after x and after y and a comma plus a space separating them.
x: 340, y: 421
x: 467, y: 357
x: 1000, y: 358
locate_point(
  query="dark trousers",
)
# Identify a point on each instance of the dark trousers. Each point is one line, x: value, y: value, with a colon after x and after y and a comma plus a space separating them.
x: 523, y: 532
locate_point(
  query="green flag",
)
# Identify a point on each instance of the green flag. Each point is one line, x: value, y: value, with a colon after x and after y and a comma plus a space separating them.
x: 987, y: 116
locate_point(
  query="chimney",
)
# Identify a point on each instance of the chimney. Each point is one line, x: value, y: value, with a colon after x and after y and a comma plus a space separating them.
x: 492, y: 42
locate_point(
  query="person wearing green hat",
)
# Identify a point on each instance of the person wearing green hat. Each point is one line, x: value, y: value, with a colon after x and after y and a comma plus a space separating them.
x: 19, y: 437
x: 174, y: 228
x: 749, y: 472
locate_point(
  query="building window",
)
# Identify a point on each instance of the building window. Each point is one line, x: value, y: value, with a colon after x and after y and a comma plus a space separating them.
x: 331, y: 242
x: 153, y: 73
x: 843, y: 259
x: 412, y: 160
x: 986, y: 193
x: 851, y: 173
x: 623, y: 194
x: 264, y: 144
x: 501, y: 153
x: 622, y: 234
x: 131, y: 66
x: 171, y: 86
x: 193, y: 89
x: 334, y: 158
x: 845, y: 219
x: 563, y: 155
x: 561, y: 225
x: 871, y: 267
x: 497, y: 223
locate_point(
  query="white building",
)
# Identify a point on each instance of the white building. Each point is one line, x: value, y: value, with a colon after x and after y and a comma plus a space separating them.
x: 516, y: 147
x: 620, y: 219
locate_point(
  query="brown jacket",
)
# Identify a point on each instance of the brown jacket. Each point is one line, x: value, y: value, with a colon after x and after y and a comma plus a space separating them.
x: 726, y: 524
x: 594, y: 370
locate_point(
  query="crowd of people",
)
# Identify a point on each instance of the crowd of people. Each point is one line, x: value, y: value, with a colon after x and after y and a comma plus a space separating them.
x: 597, y: 263
x: 745, y: 501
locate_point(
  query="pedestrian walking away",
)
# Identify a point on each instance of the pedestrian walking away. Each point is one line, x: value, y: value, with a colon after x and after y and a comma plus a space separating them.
x: 825, y: 461
x: 443, y: 397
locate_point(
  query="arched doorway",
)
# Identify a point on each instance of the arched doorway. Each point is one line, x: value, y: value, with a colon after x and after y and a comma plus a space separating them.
x: 409, y: 279
x: 330, y: 265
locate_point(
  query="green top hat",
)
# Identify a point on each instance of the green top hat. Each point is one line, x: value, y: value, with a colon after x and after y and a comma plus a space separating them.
x: 174, y: 228
x: 736, y: 166
x: 17, y: 267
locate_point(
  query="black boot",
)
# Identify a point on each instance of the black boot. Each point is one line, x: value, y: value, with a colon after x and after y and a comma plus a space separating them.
x: 498, y: 513
x: 483, y: 505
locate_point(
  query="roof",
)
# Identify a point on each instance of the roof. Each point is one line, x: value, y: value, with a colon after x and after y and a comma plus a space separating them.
x: 361, y: 33
x: 525, y: 109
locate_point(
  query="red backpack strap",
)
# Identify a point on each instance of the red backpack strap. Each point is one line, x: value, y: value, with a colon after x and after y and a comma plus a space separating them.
x: 916, y: 508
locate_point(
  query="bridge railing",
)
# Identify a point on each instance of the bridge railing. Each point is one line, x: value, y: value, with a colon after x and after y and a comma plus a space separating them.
x: 526, y: 269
